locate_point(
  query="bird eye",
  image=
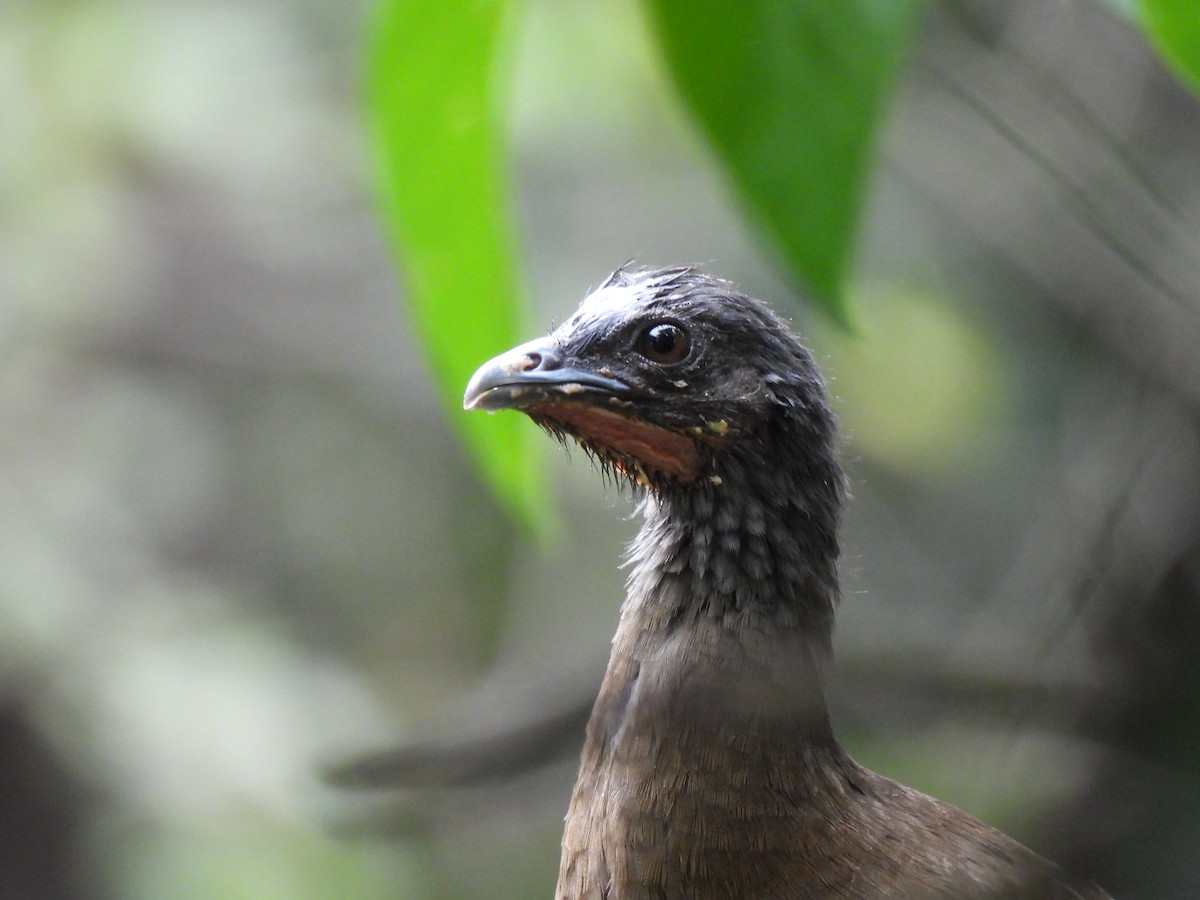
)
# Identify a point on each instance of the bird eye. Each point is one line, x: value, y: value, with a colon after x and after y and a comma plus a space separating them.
x: 664, y: 342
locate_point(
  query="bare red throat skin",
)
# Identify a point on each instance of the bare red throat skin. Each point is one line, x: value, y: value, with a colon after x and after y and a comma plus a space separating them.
x: 657, y: 449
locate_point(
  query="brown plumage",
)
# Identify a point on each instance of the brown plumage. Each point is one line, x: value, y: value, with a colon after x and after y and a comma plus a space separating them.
x: 710, y: 769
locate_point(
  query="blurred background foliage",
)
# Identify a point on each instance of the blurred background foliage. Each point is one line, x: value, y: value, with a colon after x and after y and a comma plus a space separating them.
x: 241, y: 538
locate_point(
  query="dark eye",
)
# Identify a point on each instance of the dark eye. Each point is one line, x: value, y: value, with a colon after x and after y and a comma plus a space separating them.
x: 665, y: 342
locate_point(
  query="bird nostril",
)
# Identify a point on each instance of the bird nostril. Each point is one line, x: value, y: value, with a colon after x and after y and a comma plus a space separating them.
x: 539, y: 361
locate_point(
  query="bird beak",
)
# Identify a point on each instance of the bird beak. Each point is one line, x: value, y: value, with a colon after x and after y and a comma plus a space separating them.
x: 534, y: 374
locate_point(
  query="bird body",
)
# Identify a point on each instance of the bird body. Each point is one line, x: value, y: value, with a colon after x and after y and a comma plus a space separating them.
x: 710, y: 771
x: 709, y: 768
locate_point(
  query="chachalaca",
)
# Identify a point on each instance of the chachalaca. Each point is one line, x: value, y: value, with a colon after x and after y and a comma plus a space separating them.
x: 709, y: 768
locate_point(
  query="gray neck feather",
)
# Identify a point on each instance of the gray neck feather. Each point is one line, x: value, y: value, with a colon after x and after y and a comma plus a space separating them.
x: 751, y: 541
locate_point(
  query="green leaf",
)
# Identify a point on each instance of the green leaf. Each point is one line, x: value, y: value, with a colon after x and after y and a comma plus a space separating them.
x: 790, y: 93
x: 1173, y: 26
x: 437, y: 80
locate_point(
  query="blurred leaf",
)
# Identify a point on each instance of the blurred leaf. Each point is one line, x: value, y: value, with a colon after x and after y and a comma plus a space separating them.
x: 791, y: 93
x: 241, y: 859
x: 925, y: 405
x: 1173, y: 26
x: 437, y: 79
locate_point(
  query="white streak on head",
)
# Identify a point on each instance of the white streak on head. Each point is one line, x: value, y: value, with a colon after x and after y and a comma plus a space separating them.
x: 623, y: 296
x: 604, y: 302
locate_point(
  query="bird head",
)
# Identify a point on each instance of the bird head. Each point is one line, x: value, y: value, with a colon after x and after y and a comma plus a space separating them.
x: 664, y: 376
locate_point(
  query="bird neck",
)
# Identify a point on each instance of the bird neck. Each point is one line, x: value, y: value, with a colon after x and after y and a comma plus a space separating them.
x: 753, y: 538
x: 740, y: 569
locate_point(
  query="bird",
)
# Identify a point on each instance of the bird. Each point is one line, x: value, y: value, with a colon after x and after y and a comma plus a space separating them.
x: 710, y: 768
